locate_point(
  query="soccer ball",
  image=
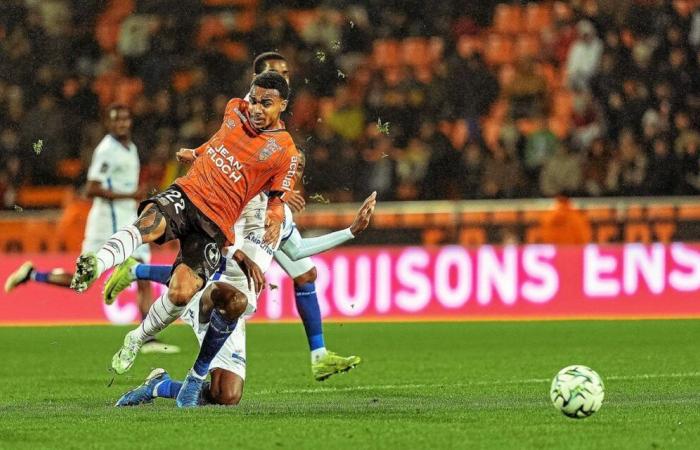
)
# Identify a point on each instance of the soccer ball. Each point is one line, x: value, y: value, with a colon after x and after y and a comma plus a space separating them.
x: 577, y: 391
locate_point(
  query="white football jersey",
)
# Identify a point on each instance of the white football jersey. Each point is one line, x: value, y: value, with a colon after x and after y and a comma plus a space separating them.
x: 250, y: 228
x: 116, y: 167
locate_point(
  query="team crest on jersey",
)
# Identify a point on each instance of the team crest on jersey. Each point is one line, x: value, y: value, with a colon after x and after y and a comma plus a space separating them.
x: 271, y: 147
x: 230, y: 123
x: 212, y: 255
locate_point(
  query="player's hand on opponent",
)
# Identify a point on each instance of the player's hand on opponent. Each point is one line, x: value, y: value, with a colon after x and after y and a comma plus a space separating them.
x: 364, y: 215
x: 186, y: 155
x: 273, y: 229
x: 296, y: 201
x: 255, y: 276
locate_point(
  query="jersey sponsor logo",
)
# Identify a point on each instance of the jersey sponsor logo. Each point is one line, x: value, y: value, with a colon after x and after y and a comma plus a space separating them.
x: 257, y: 240
x: 226, y: 162
x: 291, y: 173
x: 212, y: 255
x: 271, y: 147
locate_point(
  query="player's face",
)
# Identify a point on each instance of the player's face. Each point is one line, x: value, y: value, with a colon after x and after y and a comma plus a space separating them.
x: 266, y: 105
x: 279, y: 66
x: 120, y: 123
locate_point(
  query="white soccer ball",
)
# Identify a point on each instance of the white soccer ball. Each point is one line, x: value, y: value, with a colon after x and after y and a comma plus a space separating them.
x: 577, y: 391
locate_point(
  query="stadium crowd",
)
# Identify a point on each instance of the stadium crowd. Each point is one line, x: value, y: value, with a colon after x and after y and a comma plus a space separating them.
x: 413, y: 99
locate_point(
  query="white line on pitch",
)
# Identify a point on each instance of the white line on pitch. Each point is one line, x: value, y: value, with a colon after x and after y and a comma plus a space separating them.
x: 644, y: 376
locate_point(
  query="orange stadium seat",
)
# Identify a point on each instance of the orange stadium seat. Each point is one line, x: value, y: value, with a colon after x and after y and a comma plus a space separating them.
x: 527, y: 45
x: 562, y: 103
x: 537, y: 17
x: 70, y: 168
x: 415, y: 51
x: 210, y: 27
x: 508, y: 19
x: 560, y: 126
x: 386, y: 53
x: 436, y: 48
x: 499, y: 49
x: 43, y: 196
x: 506, y: 74
x: 299, y: 19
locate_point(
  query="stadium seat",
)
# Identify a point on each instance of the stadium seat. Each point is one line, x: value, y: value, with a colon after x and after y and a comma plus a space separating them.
x: 560, y: 126
x: 386, y: 53
x: 508, y: 19
x: 299, y: 19
x: 70, y: 168
x: 527, y: 46
x: 415, y: 52
x: 538, y: 16
x: 210, y: 27
x: 562, y: 103
x: 499, y: 49
x: 467, y: 45
x: 506, y: 74
x: 43, y: 196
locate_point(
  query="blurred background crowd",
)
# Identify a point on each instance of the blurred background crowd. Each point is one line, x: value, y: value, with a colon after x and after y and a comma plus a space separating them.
x: 417, y: 100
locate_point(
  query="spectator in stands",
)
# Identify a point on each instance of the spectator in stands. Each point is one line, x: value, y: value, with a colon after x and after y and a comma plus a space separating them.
x: 540, y: 145
x: 683, y: 131
x: 662, y: 172
x: 376, y: 169
x: 471, y: 171
x: 348, y: 118
x: 689, y: 177
x: 584, y: 56
x: 527, y: 93
x: 443, y: 165
x: 586, y: 121
x: 503, y: 177
x: 628, y: 169
x: 595, y: 168
x: 476, y: 85
x: 411, y: 166
x: 561, y: 173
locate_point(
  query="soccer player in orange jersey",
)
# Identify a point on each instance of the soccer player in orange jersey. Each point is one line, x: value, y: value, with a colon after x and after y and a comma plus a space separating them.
x: 250, y: 153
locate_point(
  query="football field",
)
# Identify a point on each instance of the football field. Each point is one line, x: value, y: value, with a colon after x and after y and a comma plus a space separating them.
x: 421, y: 385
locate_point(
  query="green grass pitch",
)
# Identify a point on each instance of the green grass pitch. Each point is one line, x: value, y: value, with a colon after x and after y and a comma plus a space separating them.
x: 422, y: 385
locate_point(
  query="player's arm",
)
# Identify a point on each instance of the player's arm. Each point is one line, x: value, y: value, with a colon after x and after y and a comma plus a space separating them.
x: 297, y: 247
x: 281, y: 186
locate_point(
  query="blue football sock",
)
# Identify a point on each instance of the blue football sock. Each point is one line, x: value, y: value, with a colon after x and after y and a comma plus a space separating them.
x: 219, y: 330
x: 168, y: 389
x: 153, y: 272
x: 40, y: 277
x: 307, y: 306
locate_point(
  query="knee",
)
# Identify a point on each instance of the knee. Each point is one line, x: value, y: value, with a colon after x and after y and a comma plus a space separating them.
x: 180, y: 294
x: 229, y: 300
x: 228, y: 396
x: 305, y: 278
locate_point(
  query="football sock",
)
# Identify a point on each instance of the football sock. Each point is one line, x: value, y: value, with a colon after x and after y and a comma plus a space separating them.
x: 39, y: 277
x: 167, y: 389
x: 162, y: 313
x: 219, y: 330
x: 310, y: 313
x: 152, y: 272
x: 118, y: 248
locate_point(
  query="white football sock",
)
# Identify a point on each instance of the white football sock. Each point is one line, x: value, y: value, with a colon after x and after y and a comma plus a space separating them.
x: 317, y: 354
x: 162, y: 313
x: 118, y: 248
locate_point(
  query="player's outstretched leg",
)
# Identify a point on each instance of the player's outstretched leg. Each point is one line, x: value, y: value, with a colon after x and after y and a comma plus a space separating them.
x: 128, y: 272
x: 229, y: 304
x: 148, y: 227
x: 26, y: 273
x: 324, y: 363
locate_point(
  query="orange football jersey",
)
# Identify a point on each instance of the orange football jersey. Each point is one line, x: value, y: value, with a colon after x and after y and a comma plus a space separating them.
x: 236, y: 164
